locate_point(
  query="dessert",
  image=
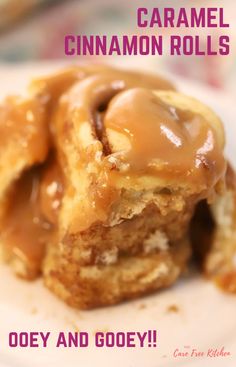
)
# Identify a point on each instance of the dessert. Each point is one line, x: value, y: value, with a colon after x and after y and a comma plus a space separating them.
x: 103, y: 210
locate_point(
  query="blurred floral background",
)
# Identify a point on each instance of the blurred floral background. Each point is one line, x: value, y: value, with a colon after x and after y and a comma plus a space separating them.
x: 33, y: 30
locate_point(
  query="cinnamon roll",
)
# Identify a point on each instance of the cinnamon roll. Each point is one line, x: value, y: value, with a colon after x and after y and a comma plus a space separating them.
x: 29, y: 169
x: 107, y: 211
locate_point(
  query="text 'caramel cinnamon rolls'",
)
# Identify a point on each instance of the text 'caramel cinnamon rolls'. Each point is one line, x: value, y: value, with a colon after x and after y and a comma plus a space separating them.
x: 104, y: 210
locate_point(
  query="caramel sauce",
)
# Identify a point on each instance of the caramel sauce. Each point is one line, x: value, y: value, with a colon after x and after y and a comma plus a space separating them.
x: 24, y: 231
x: 23, y: 127
x: 50, y: 88
x: 51, y: 190
x: 163, y: 142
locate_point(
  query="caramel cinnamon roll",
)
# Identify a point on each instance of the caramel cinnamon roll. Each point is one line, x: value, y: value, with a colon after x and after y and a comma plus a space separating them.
x: 31, y: 185
x: 135, y: 163
x: 128, y: 161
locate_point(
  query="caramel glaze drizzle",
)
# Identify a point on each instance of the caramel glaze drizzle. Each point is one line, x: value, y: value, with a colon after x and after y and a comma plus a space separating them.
x: 30, y: 215
x: 24, y: 230
x: 183, y: 143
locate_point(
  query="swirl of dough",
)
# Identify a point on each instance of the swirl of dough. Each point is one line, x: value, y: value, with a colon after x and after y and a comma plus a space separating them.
x: 114, y: 133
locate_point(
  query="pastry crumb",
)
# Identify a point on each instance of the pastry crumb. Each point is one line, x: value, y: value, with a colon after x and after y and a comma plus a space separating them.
x: 172, y: 308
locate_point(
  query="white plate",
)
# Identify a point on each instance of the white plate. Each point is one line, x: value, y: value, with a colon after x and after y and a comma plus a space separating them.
x: 206, y: 318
